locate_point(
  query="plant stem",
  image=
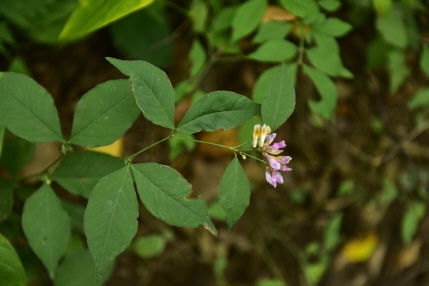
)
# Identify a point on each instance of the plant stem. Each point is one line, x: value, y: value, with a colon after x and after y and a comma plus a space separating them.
x: 141, y: 151
x: 44, y: 170
x: 210, y: 143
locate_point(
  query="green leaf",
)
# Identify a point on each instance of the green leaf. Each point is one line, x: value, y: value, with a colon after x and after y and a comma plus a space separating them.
x: 269, y: 282
x: 94, y: 14
x: 410, y: 221
x: 301, y: 8
x: 163, y: 191
x: 110, y: 219
x: 152, y: 90
x: 27, y: 109
x: 17, y: 152
x: 223, y: 19
x: 216, y: 211
x: 398, y: 70
x: 332, y: 233
x: 78, y: 269
x: 43, y: 20
x: 420, y: 99
x: 149, y: 246
x: 279, y: 101
x: 274, y: 51
x: 328, y: 61
x: 326, y: 41
x: 424, y: 61
x: 198, y: 13
x: 382, y: 6
x: 328, y: 92
x: 390, y: 192
x: 11, y: 271
x: 46, y: 226
x: 79, y: 172
x: 197, y: 56
x: 272, y: 30
x: 218, y: 110
x: 247, y: 18
x: 153, y: 45
x: 334, y: 27
x: 2, y: 135
x: 392, y: 27
x: 234, y: 192
x: 6, y: 198
x: 330, y: 5
x: 103, y: 114
x: 18, y: 65
x: 75, y: 212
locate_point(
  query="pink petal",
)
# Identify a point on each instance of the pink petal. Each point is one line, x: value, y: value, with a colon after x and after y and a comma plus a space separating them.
x: 285, y: 159
x: 277, y: 146
x: 285, y: 169
x: 270, y: 138
x: 269, y: 178
x: 273, y: 162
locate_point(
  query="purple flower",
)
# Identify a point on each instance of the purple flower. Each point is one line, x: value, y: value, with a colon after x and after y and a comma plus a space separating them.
x: 273, y: 177
x: 271, y: 152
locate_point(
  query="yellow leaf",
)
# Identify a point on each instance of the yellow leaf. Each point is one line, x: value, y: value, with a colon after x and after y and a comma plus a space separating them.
x: 114, y: 149
x: 360, y: 249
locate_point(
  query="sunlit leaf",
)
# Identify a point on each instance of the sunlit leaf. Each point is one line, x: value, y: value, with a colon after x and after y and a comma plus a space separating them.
x: 360, y: 248
x: 46, y: 226
x: 218, y: 110
x: 79, y: 172
x: 274, y: 51
x: 163, y: 191
x: 27, y: 109
x: 382, y: 6
x: 94, y: 14
x: 247, y: 18
x: 11, y: 271
x: 234, y: 192
x: 279, y: 101
x: 328, y: 91
x: 152, y: 90
x: 223, y: 19
x: 103, y: 114
x: 332, y: 233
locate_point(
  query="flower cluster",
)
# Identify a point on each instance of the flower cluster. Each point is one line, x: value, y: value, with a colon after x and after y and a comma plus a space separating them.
x: 262, y: 139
